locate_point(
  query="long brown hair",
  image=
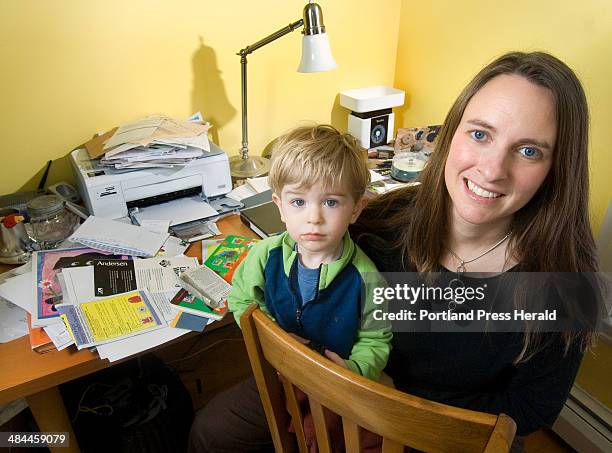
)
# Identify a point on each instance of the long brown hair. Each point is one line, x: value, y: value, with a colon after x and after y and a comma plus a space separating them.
x: 551, y: 233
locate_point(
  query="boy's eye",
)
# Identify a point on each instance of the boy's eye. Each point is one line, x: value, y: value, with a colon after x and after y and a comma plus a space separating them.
x: 331, y: 203
x: 298, y: 202
x: 529, y: 152
x: 478, y: 135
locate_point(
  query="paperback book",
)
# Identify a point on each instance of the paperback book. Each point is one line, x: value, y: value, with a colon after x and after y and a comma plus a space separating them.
x: 205, y: 284
x: 228, y: 255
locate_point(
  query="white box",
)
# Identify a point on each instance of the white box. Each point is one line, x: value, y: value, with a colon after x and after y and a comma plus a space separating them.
x: 371, y: 98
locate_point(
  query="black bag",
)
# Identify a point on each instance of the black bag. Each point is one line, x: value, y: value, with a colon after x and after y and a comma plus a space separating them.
x: 137, y: 406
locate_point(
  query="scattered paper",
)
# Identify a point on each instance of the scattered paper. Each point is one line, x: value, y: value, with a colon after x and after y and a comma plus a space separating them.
x: 13, y: 322
x: 101, y: 321
x: 59, y: 336
x: 44, y: 281
x: 173, y: 247
x: 121, y: 349
x: 182, y: 210
x: 108, y: 235
x: 241, y: 192
x: 159, y: 276
x: 18, y: 290
x: 156, y: 226
x: 374, y: 176
x: 133, y: 132
x: 259, y: 185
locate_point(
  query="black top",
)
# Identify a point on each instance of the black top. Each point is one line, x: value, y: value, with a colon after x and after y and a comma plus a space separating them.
x: 475, y: 370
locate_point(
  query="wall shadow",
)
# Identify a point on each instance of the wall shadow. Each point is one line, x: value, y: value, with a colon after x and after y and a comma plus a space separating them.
x: 60, y: 170
x: 401, y: 112
x: 339, y: 115
x: 208, y: 93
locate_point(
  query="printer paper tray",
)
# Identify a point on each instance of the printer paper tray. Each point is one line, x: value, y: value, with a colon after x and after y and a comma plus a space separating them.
x: 178, y: 211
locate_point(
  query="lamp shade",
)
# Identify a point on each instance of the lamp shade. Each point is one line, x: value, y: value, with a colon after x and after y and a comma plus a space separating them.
x: 316, y: 54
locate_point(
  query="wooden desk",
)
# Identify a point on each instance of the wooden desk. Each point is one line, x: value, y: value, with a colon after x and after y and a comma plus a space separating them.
x: 36, y: 376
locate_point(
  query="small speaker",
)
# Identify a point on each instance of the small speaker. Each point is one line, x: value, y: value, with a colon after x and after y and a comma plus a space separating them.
x: 372, y: 129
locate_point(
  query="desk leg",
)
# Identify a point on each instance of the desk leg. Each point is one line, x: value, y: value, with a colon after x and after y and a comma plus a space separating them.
x: 51, y: 416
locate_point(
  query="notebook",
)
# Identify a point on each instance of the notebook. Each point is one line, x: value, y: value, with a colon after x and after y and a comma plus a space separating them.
x: 119, y: 238
x: 263, y: 219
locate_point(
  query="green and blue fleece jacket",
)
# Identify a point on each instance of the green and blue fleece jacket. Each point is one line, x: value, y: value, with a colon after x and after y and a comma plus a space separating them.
x: 341, y: 315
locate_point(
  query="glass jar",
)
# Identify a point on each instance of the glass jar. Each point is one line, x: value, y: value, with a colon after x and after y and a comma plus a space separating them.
x: 50, y: 222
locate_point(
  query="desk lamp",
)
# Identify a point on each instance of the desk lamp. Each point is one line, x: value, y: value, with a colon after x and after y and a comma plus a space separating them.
x: 316, y: 56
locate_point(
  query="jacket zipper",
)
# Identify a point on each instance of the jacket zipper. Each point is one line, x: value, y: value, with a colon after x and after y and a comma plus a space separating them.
x: 299, y: 310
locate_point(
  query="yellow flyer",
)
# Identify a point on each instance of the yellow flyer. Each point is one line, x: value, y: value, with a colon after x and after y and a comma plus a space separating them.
x: 104, y: 320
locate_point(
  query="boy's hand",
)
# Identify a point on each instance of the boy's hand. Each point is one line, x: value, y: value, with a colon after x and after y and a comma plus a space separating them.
x: 335, y: 358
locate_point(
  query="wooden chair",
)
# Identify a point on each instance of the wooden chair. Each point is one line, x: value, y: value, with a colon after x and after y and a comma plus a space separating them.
x: 401, y: 419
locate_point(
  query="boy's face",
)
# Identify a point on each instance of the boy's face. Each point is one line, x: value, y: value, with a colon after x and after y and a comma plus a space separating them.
x: 317, y: 217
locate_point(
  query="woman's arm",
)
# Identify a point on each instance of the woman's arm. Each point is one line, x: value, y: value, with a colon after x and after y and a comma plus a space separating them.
x: 537, y: 389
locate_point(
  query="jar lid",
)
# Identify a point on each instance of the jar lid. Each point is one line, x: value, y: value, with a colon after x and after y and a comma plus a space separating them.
x: 45, y: 206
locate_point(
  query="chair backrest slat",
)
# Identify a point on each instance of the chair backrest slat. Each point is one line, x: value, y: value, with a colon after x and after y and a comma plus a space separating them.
x: 296, y: 414
x: 352, y: 435
x: 399, y: 418
x: 391, y: 446
x: 269, y: 388
x: 318, y: 417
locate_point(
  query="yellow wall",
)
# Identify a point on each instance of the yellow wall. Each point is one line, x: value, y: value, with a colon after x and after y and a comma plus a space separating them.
x: 443, y: 43
x: 71, y: 68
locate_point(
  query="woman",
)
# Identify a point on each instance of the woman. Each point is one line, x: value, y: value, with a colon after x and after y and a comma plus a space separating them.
x: 506, y: 188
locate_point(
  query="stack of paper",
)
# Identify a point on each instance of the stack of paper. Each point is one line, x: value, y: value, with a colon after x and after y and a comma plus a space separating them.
x: 156, y: 141
x: 252, y: 186
x: 89, y: 287
x: 117, y: 237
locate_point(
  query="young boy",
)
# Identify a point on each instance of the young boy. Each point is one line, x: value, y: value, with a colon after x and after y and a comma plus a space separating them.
x: 312, y: 279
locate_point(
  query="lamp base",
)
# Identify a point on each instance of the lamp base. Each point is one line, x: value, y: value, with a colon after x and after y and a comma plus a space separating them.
x: 250, y: 167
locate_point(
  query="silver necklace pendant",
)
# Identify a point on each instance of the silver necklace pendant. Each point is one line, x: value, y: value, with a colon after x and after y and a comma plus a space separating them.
x: 461, y: 268
x: 455, y: 283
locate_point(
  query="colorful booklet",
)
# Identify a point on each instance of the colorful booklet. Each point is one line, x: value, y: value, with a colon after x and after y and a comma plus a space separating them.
x: 228, y: 255
x: 113, y: 318
x: 188, y: 303
x: 46, y: 264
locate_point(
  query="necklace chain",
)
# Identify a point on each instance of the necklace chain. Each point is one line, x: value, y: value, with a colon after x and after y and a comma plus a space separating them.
x: 462, y: 262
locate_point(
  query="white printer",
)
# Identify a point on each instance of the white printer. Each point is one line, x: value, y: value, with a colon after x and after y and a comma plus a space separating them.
x: 111, y: 193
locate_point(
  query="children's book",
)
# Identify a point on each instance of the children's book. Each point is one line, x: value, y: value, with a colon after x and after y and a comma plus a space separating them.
x: 188, y: 303
x: 227, y: 256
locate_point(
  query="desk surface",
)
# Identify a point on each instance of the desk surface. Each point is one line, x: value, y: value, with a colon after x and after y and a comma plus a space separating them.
x: 25, y: 372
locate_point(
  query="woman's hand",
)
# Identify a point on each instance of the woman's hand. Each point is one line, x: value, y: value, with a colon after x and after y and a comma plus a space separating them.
x: 335, y: 358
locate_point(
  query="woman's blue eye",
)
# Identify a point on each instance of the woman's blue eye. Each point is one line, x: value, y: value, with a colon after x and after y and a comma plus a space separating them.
x: 478, y: 135
x: 529, y: 152
x: 331, y: 203
x: 298, y: 203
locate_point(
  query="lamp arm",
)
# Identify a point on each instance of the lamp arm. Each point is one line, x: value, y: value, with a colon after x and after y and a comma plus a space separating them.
x: 244, y: 150
x: 273, y: 37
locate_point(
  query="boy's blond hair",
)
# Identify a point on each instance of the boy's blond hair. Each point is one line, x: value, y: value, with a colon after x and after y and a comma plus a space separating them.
x: 311, y: 154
